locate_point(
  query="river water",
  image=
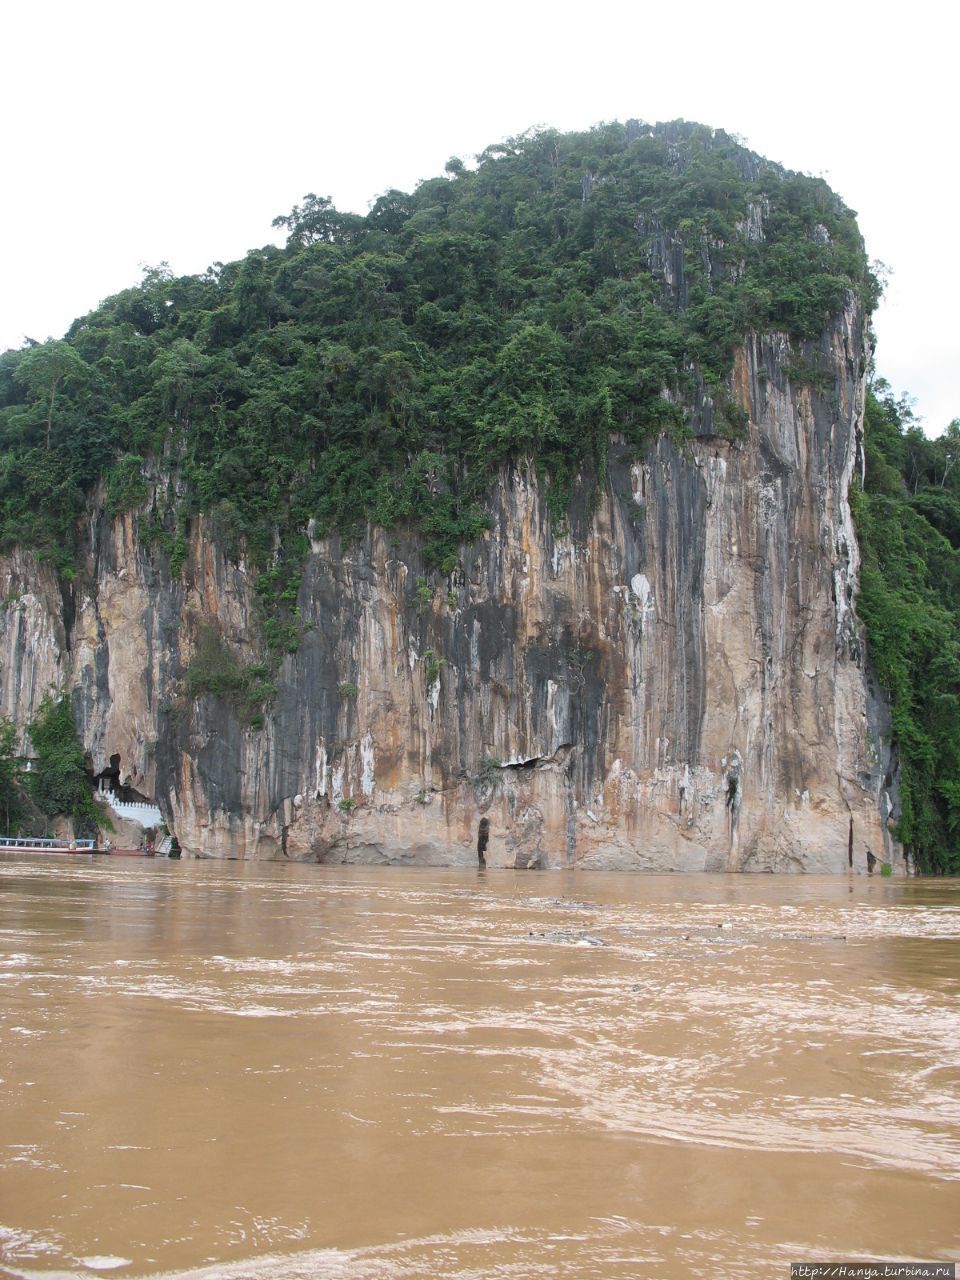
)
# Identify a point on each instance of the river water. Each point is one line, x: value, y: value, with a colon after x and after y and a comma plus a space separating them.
x: 276, y: 1072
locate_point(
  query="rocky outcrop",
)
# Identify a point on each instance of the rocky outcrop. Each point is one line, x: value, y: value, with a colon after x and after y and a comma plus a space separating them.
x: 673, y: 681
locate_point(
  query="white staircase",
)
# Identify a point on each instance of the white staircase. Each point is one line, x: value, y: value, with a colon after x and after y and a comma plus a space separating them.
x: 148, y: 815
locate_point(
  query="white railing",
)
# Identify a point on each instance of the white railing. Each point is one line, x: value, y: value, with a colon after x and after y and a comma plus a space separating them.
x: 148, y: 815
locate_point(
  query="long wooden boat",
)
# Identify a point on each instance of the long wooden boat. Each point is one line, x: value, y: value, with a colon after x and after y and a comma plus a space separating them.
x: 42, y: 844
x: 39, y: 844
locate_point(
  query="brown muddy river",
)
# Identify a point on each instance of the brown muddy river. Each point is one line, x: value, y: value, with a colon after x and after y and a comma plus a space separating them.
x: 313, y: 1073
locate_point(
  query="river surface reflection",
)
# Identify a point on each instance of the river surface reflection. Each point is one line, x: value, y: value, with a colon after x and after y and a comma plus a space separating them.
x: 251, y: 1071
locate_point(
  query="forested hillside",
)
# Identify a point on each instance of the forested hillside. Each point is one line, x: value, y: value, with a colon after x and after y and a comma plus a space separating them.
x: 908, y: 522
x: 383, y: 367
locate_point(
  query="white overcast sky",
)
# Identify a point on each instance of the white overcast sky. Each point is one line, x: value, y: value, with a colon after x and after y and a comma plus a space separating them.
x: 135, y: 133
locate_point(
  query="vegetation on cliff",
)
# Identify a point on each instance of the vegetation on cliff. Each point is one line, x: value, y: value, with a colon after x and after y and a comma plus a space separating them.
x: 56, y: 784
x: 215, y: 670
x: 908, y: 524
x: 383, y: 366
x: 11, y: 785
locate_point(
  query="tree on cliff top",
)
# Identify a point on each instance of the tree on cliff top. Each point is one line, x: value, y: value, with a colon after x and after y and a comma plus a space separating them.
x: 47, y: 369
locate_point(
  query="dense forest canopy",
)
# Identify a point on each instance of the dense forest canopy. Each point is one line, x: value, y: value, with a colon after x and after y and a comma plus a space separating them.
x: 383, y: 367
x: 908, y: 523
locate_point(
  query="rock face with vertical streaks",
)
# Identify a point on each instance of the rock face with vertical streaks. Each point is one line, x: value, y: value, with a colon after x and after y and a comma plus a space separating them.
x: 673, y: 682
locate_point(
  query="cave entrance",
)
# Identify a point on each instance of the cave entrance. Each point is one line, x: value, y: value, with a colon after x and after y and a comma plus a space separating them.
x: 109, y: 781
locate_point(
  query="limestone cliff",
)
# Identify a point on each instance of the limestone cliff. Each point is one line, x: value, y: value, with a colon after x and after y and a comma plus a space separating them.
x: 672, y: 682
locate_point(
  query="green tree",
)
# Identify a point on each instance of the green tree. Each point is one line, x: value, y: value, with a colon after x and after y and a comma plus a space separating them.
x: 48, y: 369
x: 11, y: 795
x: 316, y: 221
x: 59, y: 782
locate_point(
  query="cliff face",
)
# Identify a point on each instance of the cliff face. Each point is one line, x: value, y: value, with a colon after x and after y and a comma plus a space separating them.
x: 673, y: 682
